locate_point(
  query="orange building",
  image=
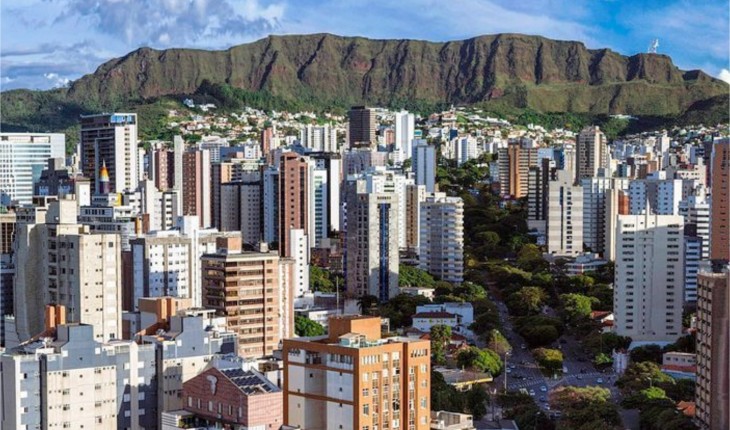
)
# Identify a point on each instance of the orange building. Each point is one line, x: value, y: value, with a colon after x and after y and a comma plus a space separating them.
x: 354, y: 379
x: 720, y: 216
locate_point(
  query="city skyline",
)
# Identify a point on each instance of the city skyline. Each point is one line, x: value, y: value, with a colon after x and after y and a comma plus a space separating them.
x: 65, y: 39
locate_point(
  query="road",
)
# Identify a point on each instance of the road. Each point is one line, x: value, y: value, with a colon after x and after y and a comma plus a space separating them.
x: 524, y: 372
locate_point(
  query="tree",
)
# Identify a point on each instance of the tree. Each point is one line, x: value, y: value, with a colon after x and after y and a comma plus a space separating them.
x: 640, y: 398
x: 440, y: 338
x: 646, y: 353
x: 576, y: 307
x: 481, y: 360
x: 638, y: 376
x: 319, y: 279
x: 401, y: 308
x: 409, y: 276
x: 527, y: 300
x: 476, y: 401
x: 549, y: 359
x: 585, y: 408
x: 603, y: 360
x: 498, y: 343
x: 444, y: 397
x: 566, y: 397
x: 307, y: 328
x: 605, y: 342
x: 529, y: 257
x: 539, y: 330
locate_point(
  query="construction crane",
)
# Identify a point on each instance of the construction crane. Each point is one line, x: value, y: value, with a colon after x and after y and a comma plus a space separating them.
x: 654, y: 45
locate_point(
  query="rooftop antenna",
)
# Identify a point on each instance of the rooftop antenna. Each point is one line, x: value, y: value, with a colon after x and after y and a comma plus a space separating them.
x: 654, y: 45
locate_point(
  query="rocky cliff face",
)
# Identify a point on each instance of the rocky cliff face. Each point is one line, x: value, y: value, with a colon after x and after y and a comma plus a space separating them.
x: 526, y: 71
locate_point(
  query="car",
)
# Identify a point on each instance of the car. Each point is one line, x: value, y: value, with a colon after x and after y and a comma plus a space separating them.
x: 543, y: 389
x: 512, y: 366
x: 563, y: 341
x: 509, y: 370
x: 532, y: 392
x: 599, y: 381
x: 579, y: 377
x: 523, y: 346
x: 543, y: 399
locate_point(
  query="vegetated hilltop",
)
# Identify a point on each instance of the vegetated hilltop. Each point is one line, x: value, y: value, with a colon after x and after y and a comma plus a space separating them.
x: 324, y: 70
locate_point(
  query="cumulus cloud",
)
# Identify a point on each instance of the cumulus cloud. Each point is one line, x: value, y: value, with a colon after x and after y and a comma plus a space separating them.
x: 175, y: 22
x: 56, y: 80
x: 724, y: 75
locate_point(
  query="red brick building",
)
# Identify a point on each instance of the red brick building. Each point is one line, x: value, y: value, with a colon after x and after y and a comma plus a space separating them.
x: 234, y: 399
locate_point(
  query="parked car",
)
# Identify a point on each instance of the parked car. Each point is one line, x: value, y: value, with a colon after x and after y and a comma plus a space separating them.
x: 599, y: 380
x: 543, y: 389
x: 532, y: 392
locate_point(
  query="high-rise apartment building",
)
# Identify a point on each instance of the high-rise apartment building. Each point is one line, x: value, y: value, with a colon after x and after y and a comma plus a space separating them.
x: 538, y: 180
x: 565, y: 216
x: 325, y: 196
x: 696, y: 211
x: 319, y: 138
x: 617, y: 203
x: 354, y: 379
x: 196, y: 192
x: 720, y: 200
x: 167, y: 262
x: 659, y: 196
x: 414, y: 195
x: 372, y: 241
x: 361, y: 127
x: 514, y: 163
x: 441, y: 247
x: 713, y: 350
x: 424, y: 165
x: 251, y: 292
x: 404, y: 129
x: 270, y: 202
x: 591, y: 153
x: 595, y: 209
x: 24, y: 156
x: 83, y: 271
x: 71, y: 380
x: 295, y: 174
x: 648, y: 291
x: 110, y: 138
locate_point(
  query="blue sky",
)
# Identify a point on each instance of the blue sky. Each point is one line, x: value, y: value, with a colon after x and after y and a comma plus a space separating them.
x: 47, y: 43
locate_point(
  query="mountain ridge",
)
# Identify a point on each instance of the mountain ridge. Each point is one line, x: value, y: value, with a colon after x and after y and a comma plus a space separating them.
x: 511, y: 69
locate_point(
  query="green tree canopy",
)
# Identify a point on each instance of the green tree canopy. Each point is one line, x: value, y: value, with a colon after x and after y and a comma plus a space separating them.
x: 549, y: 359
x: 410, y: 276
x: 481, y: 360
x: 498, y: 343
x: 527, y: 300
x: 440, y: 338
x: 307, y: 328
x: 576, y: 307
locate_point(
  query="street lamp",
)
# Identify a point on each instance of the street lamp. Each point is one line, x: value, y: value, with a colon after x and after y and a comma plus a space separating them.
x: 506, y: 354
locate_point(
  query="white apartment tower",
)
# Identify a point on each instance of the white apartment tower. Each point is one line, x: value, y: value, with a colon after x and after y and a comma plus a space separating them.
x: 648, y: 291
x: 565, y: 216
x: 404, y: 128
x: 441, y: 246
x: 321, y: 138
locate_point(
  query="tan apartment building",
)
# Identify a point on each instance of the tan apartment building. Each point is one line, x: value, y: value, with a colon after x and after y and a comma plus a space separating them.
x: 252, y: 290
x: 713, y: 350
x: 294, y: 178
x: 355, y: 379
x: 514, y: 165
x: 720, y: 203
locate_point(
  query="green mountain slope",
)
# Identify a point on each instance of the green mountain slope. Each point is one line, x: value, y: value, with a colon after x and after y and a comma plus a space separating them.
x: 325, y: 70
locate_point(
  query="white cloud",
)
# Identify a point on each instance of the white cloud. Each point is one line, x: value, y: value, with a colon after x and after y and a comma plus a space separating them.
x: 164, y: 23
x: 724, y: 75
x: 56, y: 80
